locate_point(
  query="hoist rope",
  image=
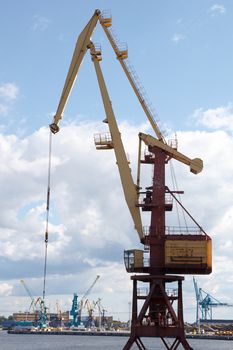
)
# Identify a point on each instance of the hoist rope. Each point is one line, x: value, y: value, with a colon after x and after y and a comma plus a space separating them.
x: 47, y: 213
x: 175, y: 185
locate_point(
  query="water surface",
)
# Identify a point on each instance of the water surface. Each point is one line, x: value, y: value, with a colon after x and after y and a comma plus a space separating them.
x: 69, y: 342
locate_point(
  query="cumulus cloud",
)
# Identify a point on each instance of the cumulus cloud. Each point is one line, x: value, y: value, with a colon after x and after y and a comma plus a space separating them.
x: 3, y: 110
x: 90, y: 225
x: 9, y: 93
x: 215, y: 118
x: 40, y: 23
x: 217, y: 9
x: 5, y: 289
x: 176, y: 38
x: 24, y: 162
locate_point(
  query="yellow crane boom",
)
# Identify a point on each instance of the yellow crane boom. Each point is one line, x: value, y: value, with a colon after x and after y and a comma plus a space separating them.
x: 83, y: 44
x: 78, y: 55
x: 122, y: 55
x: 114, y: 141
x: 196, y: 164
x: 129, y: 188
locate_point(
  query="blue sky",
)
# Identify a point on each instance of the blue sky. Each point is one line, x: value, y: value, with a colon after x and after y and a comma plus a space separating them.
x: 182, y: 52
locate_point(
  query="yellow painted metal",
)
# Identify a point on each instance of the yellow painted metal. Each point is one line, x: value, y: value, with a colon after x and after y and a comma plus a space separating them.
x: 106, y: 21
x: 78, y: 55
x: 139, y: 165
x: 138, y: 258
x: 197, y: 253
x: 103, y: 141
x: 209, y: 253
x: 122, y: 55
x: 186, y: 255
x: 129, y: 188
x: 196, y: 164
x: 84, y: 43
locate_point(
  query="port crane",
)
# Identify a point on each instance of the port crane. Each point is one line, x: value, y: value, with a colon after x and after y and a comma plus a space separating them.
x: 33, y: 302
x: 90, y: 306
x: 77, y: 307
x: 59, y: 315
x: 38, y: 307
x: 74, y: 310
x: 170, y: 251
x: 43, y: 313
x: 102, y: 311
x: 205, y: 302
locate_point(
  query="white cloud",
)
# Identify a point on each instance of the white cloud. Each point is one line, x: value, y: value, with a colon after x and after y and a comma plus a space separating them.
x: 3, y: 110
x: 40, y: 23
x: 217, y: 9
x: 176, y: 38
x: 5, y: 289
x: 215, y: 118
x: 9, y: 91
x: 90, y: 225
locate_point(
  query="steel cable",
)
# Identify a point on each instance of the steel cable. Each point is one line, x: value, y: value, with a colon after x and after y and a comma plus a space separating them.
x: 47, y: 213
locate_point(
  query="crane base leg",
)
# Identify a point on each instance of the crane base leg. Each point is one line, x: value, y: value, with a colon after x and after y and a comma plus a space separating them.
x: 172, y: 346
x: 157, y: 317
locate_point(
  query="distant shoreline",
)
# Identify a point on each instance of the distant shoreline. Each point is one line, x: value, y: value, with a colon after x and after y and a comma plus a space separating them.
x: 112, y: 334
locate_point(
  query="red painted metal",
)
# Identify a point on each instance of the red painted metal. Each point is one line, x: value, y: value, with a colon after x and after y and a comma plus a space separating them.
x: 161, y: 313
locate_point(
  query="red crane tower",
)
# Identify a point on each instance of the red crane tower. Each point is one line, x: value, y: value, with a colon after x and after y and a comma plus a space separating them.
x: 171, y: 251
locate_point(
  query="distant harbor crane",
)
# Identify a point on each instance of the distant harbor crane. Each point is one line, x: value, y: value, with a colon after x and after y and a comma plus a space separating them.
x: 38, y: 307
x: 76, y: 309
x: 32, y: 305
x: 205, y: 303
x: 90, y: 306
x: 102, y: 311
x: 43, y: 313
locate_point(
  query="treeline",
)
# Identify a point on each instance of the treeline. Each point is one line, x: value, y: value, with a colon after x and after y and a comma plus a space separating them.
x: 3, y: 318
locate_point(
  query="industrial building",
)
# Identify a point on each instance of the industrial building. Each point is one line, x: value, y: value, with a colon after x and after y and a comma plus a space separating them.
x: 34, y: 316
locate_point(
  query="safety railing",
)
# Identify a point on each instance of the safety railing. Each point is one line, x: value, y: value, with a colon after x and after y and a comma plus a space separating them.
x: 171, y: 230
x: 106, y: 18
x: 173, y: 143
x: 103, y: 140
x: 144, y: 291
x: 143, y: 95
x: 145, y: 198
x: 120, y: 48
x: 185, y: 230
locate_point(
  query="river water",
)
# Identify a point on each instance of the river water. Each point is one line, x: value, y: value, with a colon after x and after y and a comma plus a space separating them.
x: 69, y: 342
